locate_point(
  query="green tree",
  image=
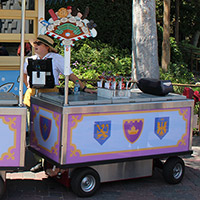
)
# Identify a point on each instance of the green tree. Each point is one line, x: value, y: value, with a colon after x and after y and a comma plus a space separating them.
x: 113, y: 19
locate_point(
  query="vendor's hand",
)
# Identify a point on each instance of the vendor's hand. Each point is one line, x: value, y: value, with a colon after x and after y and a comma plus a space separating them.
x: 90, y: 91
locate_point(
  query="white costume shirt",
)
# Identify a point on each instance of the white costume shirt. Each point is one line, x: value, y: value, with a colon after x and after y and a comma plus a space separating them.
x: 57, y: 65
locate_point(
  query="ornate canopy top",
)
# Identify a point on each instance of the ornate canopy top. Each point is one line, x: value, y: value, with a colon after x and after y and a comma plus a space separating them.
x: 68, y: 25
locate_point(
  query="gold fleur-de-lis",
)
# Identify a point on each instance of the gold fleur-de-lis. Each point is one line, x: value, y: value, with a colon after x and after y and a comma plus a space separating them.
x: 162, y: 128
x: 101, y: 132
x: 12, y: 121
x: 75, y: 119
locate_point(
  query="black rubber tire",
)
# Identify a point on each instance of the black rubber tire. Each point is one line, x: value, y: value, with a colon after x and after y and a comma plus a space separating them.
x: 46, y: 166
x: 2, y: 187
x: 85, y: 182
x: 173, y: 170
x: 157, y: 163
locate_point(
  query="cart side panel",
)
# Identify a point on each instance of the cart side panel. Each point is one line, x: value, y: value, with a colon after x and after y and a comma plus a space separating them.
x: 45, y: 131
x: 12, y: 126
x: 101, y: 136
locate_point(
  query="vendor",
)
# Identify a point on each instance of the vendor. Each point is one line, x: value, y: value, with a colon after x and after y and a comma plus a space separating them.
x: 44, y: 48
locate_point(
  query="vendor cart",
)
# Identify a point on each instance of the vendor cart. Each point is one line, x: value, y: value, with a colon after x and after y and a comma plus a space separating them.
x: 96, y: 139
x: 12, y: 125
x: 12, y: 131
x: 113, y: 135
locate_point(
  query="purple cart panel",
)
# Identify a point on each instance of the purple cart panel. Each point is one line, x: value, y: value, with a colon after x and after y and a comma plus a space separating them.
x: 10, y: 140
x: 116, y: 135
x: 45, y: 132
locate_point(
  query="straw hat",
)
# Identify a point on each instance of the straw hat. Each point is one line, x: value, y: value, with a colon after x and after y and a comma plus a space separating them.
x: 45, y: 40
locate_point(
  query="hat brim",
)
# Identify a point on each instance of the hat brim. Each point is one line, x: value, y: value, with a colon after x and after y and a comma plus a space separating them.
x: 31, y: 41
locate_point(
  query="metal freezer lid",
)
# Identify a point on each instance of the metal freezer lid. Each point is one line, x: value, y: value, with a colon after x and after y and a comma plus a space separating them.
x: 138, y: 96
x: 7, y: 99
x: 87, y: 99
x: 92, y: 99
x: 82, y: 99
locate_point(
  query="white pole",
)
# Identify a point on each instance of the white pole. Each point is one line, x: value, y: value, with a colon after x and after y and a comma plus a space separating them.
x: 67, y: 60
x: 41, y: 13
x: 23, y: 9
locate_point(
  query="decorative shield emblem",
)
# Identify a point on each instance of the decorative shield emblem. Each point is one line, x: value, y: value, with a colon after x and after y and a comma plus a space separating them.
x: 133, y: 129
x: 45, y: 127
x: 102, y: 131
x: 161, y: 126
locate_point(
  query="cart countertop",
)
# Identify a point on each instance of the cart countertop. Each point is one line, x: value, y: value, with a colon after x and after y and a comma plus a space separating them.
x: 8, y: 99
x: 89, y: 99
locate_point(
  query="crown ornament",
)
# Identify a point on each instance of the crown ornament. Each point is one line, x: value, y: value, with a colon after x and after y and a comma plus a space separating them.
x: 133, y: 131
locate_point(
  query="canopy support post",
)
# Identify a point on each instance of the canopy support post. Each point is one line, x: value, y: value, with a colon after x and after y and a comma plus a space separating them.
x: 22, y: 53
x: 67, y: 58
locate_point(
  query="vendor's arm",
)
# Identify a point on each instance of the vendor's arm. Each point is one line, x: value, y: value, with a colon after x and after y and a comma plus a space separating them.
x: 73, y: 78
x: 25, y: 73
x: 25, y: 80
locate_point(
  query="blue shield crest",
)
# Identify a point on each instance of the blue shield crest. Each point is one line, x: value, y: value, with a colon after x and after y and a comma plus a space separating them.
x: 45, y: 127
x: 161, y: 126
x: 102, y: 131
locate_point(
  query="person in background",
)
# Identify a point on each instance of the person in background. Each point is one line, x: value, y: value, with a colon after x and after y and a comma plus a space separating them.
x: 3, y: 50
x: 27, y: 49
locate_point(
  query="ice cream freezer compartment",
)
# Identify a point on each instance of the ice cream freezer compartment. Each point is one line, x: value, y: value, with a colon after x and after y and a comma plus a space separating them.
x: 8, y: 99
x: 13, y: 134
x: 100, y: 133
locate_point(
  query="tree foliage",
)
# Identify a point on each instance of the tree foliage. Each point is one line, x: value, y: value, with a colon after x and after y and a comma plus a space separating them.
x: 189, y: 21
x: 113, y: 19
x: 114, y: 27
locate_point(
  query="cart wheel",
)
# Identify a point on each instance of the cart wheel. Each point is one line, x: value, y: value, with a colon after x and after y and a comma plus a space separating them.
x: 85, y: 182
x: 47, y: 166
x: 173, y: 170
x: 157, y: 163
x: 2, y: 187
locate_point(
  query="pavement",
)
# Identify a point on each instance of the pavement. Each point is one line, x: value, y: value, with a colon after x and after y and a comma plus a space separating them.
x: 38, y: 186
